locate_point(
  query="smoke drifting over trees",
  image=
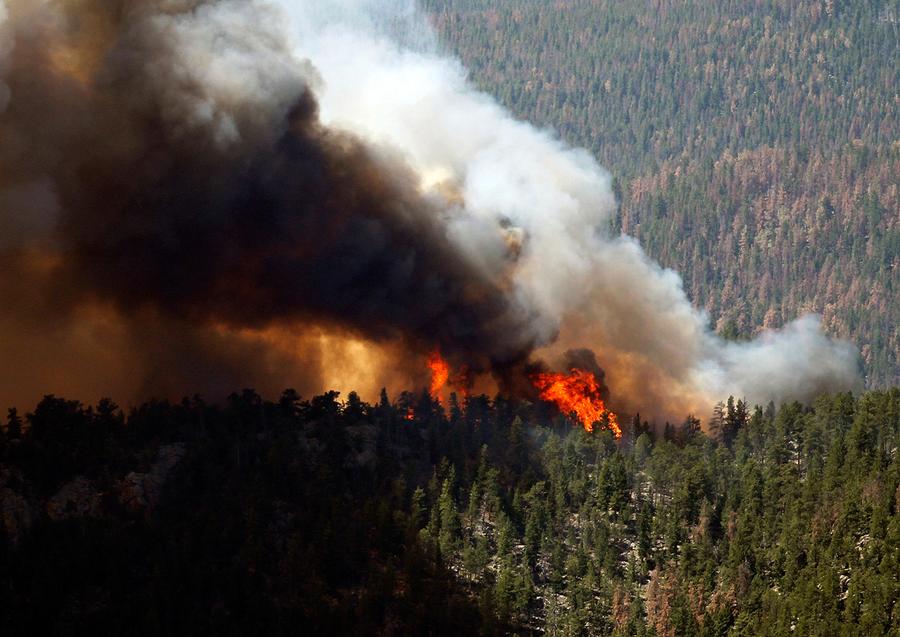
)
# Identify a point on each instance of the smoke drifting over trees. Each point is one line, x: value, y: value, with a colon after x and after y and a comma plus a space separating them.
x: 197, y: 194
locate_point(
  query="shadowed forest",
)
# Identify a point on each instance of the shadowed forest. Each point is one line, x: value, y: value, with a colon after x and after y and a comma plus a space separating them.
x: 487, y: 517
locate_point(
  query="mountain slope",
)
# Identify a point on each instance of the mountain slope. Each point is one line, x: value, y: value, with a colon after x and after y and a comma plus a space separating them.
x: 755, y: 145
x: 492, y: 517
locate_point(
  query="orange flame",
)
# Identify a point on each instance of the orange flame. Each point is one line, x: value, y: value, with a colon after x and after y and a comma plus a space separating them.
x: 440, y: 373
x: 577, y: 393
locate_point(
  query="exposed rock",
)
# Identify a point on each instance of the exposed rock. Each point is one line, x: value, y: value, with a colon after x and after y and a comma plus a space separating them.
x: 76, y: 499
x: 16, y: 514
x: 364, y: 441
x: 142, y: 491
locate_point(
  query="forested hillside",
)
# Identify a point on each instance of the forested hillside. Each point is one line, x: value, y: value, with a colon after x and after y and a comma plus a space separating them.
x: 755, y: 145
x: 334, y: 517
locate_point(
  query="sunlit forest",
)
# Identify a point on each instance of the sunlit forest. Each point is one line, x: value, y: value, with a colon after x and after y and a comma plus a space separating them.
x: 755, y: 146
x: 331, y: 516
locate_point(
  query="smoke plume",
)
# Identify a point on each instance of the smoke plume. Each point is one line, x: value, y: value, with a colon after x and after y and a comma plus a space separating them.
x: 201, y: 194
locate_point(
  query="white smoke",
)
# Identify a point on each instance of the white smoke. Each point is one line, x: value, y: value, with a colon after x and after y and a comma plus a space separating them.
x: 233, y: 71
x: 797, y: 361
x: 384, y: 79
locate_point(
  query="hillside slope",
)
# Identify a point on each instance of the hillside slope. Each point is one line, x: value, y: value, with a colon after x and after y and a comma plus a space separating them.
x: 755, y: 145
x: 490, y: 517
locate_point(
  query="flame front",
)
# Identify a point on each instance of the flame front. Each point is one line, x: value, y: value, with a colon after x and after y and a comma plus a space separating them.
x: 440, y: 373
x: 578, y: 393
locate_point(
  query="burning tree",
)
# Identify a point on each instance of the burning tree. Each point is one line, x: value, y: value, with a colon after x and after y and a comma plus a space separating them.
x: 577, y: 393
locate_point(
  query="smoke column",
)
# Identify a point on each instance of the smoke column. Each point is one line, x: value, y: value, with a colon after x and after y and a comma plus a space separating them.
x: 200, y: 195
x: 383, y: 78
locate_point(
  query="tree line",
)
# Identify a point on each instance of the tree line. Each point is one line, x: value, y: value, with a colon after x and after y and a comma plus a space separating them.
x: 481, y: 516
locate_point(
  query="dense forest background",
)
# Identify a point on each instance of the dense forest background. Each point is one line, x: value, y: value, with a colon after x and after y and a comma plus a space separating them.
x: 755, y: 146
x: 334, y: 517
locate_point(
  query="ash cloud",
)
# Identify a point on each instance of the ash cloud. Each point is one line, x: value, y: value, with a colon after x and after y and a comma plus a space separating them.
x: 242, y: 191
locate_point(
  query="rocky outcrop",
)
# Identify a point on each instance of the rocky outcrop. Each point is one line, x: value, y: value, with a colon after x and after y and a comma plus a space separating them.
x: 142, y: 491
x: 363, y: 439
x: 77, y: 498
x: 15, y: 513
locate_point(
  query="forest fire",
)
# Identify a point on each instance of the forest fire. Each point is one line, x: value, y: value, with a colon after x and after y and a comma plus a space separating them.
x: 578, y: 393
x: 440, y: 373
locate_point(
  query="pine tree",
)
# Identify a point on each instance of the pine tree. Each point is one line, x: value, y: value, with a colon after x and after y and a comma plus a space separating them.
x: 13, y: 424
x: 449, y: 519
x: 417, y: 509
x: 717, y: 423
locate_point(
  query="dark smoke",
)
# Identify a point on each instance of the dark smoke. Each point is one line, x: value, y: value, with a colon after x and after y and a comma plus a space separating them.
x: 266, y: 219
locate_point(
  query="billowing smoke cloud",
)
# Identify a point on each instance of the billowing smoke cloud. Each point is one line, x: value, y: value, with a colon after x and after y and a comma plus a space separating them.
x: 196, y: 193
x: 173, y: 157
x: 522, y: 187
